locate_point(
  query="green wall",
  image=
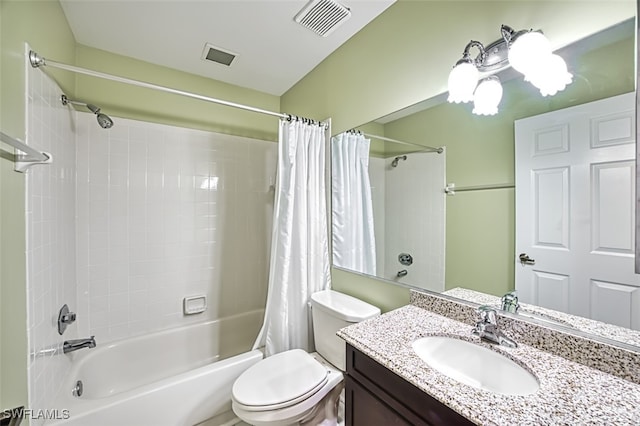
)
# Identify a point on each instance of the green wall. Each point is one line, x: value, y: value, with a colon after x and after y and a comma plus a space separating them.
x: 404, y: 57
x: 122, y: 100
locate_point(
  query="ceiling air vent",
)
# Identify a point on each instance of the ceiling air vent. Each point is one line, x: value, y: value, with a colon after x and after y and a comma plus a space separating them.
x: 215, y: 54
x: 322, y: 16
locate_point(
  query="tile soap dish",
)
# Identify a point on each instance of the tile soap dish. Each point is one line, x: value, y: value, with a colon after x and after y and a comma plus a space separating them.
x: 194, y: 305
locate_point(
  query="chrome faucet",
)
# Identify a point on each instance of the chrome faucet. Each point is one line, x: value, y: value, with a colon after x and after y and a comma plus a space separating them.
x: 487, y: 328
x: 74, y: 345
x: 510, y: 302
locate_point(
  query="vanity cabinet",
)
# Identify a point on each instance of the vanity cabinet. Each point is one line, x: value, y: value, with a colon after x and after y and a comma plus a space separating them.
x: 376, y: 396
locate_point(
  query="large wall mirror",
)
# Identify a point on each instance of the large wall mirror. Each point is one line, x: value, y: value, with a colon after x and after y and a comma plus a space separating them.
x: 473, y: 243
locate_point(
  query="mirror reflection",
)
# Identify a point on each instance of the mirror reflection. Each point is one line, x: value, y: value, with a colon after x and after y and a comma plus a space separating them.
x: 478, y: 248
x: 388, y: 208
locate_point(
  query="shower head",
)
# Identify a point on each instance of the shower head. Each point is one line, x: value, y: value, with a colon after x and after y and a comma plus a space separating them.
x: 103, y: 120
x: 394, y: 163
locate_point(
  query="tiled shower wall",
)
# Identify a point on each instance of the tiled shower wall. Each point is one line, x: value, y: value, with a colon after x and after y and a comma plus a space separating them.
x: 415, y: 219
x: 164, y: 213
x: 409, y: 217
x: 51, y: 236
x: 128, y: 221
x: 377, y: 179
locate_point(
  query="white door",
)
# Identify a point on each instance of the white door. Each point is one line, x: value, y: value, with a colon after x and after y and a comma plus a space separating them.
x: 575, y: 219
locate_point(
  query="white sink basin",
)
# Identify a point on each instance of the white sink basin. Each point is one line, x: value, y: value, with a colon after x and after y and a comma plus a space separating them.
x: 475, y: 365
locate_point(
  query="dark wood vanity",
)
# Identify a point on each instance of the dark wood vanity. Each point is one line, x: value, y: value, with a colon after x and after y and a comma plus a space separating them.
x: 376, y: 396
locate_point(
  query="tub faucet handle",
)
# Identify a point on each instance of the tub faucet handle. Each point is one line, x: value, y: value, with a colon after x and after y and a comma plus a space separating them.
x: 65, y: 317
x: 68, y: 318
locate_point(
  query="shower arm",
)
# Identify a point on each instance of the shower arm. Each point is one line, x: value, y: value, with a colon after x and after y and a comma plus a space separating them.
x: 103, y: 120
x: 65, y: 100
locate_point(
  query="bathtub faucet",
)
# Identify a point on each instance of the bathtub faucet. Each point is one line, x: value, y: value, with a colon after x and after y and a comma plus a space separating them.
x: 74, y: 345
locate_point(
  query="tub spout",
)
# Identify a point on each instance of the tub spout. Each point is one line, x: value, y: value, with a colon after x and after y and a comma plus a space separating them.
x: 74, y: 345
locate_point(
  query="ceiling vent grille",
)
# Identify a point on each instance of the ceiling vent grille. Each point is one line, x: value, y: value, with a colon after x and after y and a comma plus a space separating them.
x: 215, y: 54
x: 322, y: 16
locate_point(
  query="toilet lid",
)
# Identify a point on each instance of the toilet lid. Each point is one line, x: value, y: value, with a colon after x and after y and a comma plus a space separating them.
x: 279, y: 381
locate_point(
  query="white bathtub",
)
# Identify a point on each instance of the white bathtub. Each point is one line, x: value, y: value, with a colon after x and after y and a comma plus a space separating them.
x: 176, y: 377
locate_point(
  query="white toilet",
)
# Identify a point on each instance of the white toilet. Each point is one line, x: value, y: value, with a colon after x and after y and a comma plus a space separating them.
x: 298, y: 388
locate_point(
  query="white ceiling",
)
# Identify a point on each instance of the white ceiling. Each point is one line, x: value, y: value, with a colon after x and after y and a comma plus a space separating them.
x: 274, y: 52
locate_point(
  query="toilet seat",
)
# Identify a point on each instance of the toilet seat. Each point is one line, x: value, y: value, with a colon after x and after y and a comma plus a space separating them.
x: 290, y: 377
x: 296, y: 413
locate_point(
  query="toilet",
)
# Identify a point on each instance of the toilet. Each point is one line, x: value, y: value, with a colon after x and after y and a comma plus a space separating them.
x: 298, y: 388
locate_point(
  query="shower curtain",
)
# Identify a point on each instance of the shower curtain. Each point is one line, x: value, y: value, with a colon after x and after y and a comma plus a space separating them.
x: 299, y: 263
x: 353, y: 241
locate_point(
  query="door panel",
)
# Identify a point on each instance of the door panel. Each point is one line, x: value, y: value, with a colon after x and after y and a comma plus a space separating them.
x: 552, y: 140
x: 551, y: 211
x: 551, y: 290
x: 612, y: 207
x: 626, y: 300
x: 613, y: 129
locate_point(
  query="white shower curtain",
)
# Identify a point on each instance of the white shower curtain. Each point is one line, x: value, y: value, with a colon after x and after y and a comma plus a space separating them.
x: 353, y: 241
x: 299, y: 263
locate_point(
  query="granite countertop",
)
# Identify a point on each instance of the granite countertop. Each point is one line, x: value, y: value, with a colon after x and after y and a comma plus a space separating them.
x: 570, y: 393
x: 614, y: 332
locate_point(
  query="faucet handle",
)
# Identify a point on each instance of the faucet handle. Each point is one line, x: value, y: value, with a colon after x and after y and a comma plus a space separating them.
x: 65, y: 317
x: 510, y: 302
x: 487, y: 314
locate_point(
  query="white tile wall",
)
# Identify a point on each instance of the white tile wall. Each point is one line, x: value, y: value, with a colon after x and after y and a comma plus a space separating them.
x: 51, y: 247
x: 126, y: 222
x: 164, y: 213
x: 415, y: 219
x: 377, y: 180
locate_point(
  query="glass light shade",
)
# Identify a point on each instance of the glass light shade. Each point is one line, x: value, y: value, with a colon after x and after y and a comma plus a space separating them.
x: 527, y: 51
x: 487, y: 96
x: 551, y: 76
x: 463, y: 79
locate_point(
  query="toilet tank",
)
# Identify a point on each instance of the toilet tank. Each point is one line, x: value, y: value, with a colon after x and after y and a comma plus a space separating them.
x: 332, y: 311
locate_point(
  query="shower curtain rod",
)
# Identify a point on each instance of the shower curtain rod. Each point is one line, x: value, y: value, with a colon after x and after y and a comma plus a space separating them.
x: 38, y: 61
x: 439, y: 150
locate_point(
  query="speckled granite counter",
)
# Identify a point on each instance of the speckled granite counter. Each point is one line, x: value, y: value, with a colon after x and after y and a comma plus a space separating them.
x: 570, y: 393
x: 609, y: 331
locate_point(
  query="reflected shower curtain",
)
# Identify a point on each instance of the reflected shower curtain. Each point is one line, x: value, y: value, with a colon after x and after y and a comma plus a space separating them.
x: 353, y: 241
x: 299, y: 263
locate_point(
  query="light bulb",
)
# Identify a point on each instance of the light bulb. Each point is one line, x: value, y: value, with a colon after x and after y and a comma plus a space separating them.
x: 551, y: 76
x: 487, y: 96
x: 526, y: 52
x: 463, y: 79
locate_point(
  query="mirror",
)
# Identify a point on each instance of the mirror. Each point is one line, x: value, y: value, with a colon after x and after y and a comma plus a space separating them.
x: 479, y: 242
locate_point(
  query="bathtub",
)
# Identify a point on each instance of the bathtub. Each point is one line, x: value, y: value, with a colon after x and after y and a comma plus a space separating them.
x: 176, y: 377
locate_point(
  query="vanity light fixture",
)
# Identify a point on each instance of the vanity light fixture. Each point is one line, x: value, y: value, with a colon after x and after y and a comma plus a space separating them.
x: 527, y: 51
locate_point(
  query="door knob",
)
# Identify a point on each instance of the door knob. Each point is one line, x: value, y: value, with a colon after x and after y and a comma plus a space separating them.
x: 526, y: 260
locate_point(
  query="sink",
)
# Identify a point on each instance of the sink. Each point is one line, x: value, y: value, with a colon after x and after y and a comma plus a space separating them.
x: 475, y: 365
